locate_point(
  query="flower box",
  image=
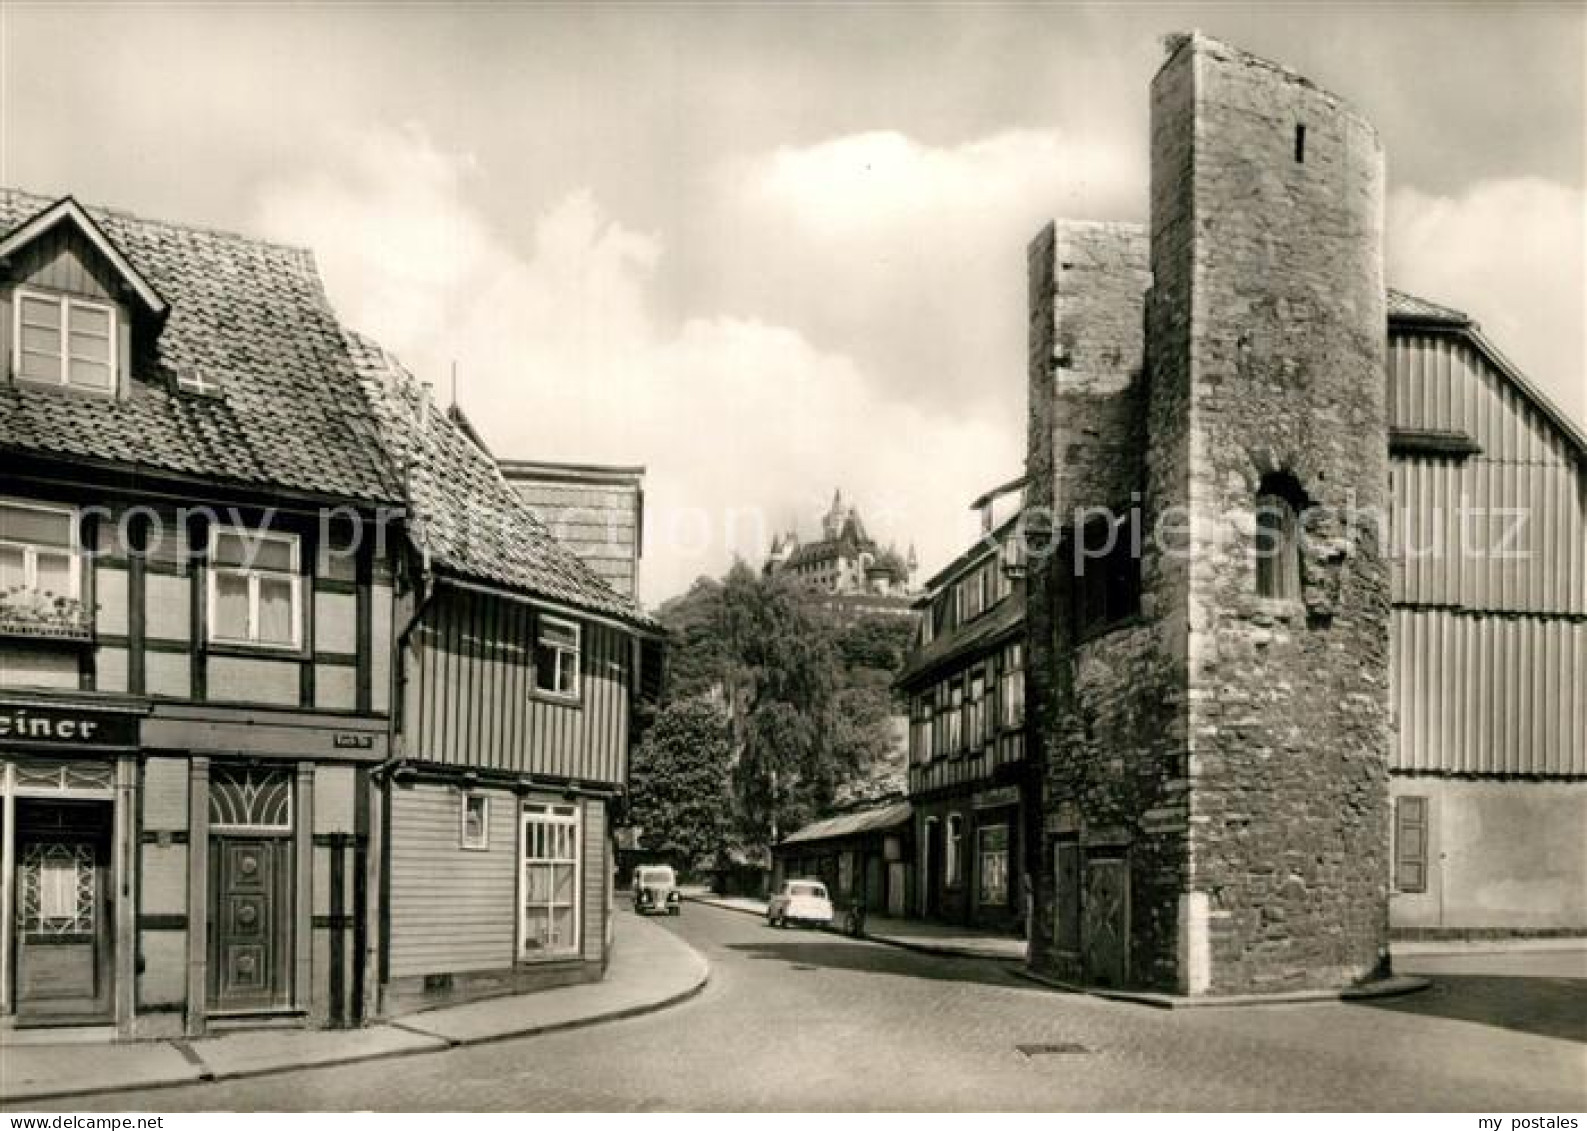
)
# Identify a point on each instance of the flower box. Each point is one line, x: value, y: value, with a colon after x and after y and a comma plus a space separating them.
x: 42, y: 616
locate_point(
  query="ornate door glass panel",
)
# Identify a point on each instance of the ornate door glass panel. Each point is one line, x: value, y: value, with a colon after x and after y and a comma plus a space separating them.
x: 59, y: 889
x: 250, y: 798
x: 53, y: 773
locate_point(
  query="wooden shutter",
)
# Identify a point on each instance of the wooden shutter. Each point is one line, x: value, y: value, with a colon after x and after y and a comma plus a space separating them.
x: 1410, y: 844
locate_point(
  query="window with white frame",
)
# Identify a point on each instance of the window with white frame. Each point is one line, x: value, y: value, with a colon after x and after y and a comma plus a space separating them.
x: 255, y: 588
x: 1013, y: 678
x: 550, y: 897
x: 38, y: 550
x: 975, y: 709
x: 954, y: 842
x: 557, y: 645
x: 65, y: 340
x: 474, y: 818
x: 956, y: 716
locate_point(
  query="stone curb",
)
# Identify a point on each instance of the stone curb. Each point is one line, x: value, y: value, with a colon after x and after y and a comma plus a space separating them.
x: 1396, y: 986
x: 884, y: 940
x: 703, y: 976
x: 438, y: 1043
x: 1445, y: 947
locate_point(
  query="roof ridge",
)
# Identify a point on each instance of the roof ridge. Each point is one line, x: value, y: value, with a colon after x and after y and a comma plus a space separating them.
x: 127, y: 214
x: 446, y: 454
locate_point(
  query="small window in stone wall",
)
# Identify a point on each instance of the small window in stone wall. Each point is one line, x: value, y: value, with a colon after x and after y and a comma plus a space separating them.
x: 1107, y: 575
x: 1279, y: 504
x: 1410, y: 844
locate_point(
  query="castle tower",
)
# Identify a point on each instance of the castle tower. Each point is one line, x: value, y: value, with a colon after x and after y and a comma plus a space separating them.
x: 1267, y: 420
x: 1214, y: 725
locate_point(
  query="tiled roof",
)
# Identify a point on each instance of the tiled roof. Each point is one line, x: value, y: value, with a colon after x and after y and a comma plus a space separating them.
x: 249, y: 315
x: 853, y: 824
x: 462, y: 510
x: 1402, y: 305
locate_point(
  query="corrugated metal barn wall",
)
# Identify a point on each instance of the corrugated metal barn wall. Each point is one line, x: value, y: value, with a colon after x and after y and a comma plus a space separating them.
x: 1490, y: 629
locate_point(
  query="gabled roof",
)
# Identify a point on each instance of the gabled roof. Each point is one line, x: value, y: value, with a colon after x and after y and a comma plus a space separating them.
x: 853, y: 824
x: 249, y: 316
x: 462, y: 511
x: 992, y: 627
x: 1408, y: 307
x: 1408, y: 310
x: 67, y: 211
x: 998, y: 492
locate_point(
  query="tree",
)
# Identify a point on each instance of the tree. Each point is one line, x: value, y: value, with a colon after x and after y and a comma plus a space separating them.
x: 806, y: 694
x: 679, y: 791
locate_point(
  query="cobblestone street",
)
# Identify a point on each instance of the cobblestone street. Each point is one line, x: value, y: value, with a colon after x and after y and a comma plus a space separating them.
x: 802, y: 1021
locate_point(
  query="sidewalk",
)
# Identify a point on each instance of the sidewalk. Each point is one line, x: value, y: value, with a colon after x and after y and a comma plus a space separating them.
x: 910, y: 934
x: 650, y: 969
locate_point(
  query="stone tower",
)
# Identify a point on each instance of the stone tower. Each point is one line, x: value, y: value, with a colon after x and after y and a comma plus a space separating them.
x: 1215, y: 741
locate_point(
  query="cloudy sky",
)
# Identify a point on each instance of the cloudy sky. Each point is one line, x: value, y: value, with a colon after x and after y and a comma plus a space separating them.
x: 768, y: 250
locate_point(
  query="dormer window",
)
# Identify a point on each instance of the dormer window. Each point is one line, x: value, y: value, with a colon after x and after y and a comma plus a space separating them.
x: 65, y: 340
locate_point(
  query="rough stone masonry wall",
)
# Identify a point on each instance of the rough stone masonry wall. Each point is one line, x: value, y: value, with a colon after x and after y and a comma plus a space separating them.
x: 1266, y: 354
x: 1106, y: 710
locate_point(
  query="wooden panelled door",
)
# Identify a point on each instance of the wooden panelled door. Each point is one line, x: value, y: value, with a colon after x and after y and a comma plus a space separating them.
x: 64, y: 940
x: 250, y: 951
x: 1105, y: 918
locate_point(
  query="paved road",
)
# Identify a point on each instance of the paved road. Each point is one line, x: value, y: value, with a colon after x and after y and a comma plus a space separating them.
x: 798, y: 1020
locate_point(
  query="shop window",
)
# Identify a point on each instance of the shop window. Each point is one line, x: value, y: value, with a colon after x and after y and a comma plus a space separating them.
x: 551, y: 888
x: 1279, y: 503
x: 255, y: 588
x: 954, y: 843
x: 557, y: 645
x: 993, y: 856
x: 1410, y: 844
x: 475, y: 822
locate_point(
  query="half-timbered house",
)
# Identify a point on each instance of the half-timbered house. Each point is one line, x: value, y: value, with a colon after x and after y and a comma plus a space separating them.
x: 518, y: 671
x: 969, y: 780
x: 195, y: 620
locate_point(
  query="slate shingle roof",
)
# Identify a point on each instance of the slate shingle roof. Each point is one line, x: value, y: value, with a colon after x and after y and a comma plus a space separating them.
x: 461, y: 509
x: 247, y: 314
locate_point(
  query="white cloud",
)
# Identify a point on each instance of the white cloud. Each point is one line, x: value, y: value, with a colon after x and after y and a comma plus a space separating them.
x: 746, y: 425
x: 912, y: 256
x: 884, y: 182
x: 1511, y: 254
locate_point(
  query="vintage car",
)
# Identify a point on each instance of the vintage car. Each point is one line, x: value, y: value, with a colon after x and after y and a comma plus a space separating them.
x: 656, y: 890
x: 800, y: 902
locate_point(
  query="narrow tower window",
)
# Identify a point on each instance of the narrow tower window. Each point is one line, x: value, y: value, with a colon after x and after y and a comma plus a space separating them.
x: 1279, y: 503
x: 1300, y: 144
